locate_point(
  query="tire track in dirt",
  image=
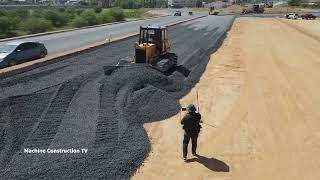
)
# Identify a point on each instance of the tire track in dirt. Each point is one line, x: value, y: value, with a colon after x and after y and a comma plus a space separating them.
x: 301, y: 30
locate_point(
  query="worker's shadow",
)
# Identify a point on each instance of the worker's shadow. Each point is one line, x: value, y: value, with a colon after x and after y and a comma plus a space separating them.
x: 211, y: 163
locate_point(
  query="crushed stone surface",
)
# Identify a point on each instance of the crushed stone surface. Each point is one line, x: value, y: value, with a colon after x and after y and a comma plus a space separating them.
x: 72, y: 104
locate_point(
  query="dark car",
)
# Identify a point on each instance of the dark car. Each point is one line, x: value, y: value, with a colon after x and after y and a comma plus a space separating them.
x: 177, y: 13
x: 190, y: 13
x: 308, y: 16
x: 19, y: 52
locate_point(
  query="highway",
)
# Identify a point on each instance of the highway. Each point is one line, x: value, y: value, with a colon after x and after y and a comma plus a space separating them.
x: 65, y: 41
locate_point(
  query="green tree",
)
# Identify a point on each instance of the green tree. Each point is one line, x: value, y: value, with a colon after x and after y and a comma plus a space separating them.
x: 294, y: 2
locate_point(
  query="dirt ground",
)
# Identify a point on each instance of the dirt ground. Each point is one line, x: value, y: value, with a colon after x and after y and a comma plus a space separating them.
x: 308, y: 27
x: 261, y: 92
x: 279, y: 9
x: 238, y: 9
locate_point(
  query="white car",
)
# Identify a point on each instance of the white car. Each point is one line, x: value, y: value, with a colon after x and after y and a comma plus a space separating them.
x: 292, y: 16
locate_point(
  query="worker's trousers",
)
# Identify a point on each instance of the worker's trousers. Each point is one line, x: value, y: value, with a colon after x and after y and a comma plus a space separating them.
x: 186, y: 139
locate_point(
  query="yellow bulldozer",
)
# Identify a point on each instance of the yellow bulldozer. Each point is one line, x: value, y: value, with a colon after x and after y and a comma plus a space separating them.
x: 153, y: 49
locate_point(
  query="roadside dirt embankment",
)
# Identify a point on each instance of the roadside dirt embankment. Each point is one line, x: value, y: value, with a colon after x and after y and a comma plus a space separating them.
x: 260, y: 90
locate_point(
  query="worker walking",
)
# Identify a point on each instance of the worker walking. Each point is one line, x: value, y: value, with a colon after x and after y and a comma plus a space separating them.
x: 191, y: 126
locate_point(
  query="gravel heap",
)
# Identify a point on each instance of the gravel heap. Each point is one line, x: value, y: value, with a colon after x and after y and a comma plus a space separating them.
x: 104, y: 114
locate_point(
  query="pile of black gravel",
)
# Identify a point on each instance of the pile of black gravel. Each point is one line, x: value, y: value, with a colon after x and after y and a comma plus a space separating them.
x: 87, y: 109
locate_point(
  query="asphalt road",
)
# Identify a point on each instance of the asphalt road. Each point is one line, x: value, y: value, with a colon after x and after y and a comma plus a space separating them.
x: 65, y: 41
x: 72, y: 104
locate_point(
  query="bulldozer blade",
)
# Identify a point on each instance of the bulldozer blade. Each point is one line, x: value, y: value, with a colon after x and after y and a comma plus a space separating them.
x: 108, y: 70
x: 183, y: 70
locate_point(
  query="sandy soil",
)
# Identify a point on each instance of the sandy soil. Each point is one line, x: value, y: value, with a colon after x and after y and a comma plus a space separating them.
x: 308, y: 27
x: 239, y: 8
x: 261, y: 91
x: 279, y: 9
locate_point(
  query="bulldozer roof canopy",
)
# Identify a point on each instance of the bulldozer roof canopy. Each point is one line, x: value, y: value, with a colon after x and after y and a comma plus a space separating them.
x: 153, y: 27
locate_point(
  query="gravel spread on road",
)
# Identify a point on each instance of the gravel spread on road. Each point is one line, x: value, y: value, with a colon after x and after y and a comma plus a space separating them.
x: 71, y: 105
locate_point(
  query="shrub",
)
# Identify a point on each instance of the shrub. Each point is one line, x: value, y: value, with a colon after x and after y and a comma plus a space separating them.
x: 294, y: 2
x: 79, y: 11
x: 133, y: 13
x: 22, y: 13
x: 37, y: 13
x: 199, y: 3
x: 97, y: 10
x: 57, y: 19
x: 128, y: 4
x: 62, y: 9
x: 71, y: 11
x: 107, y: 17
x: 79, y: 22
x: 10, y: 34
x: 2, y: 13
x: 117, y: 13
x: 91, y: 17
x: 36, y: 25
x: 5, y: 25
x: 15, y: 21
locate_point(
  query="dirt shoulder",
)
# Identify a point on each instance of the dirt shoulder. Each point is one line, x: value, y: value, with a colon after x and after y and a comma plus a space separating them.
x: 260, y: 90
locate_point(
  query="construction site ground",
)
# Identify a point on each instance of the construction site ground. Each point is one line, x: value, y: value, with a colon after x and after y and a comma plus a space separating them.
x: 260, y: 91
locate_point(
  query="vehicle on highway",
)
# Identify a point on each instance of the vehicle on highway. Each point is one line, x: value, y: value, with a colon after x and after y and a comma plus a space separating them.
x: 19, y: 52
x: 190, y: 13
x: 308, y: 16
x: 292, y: 16
x: 177, y: 13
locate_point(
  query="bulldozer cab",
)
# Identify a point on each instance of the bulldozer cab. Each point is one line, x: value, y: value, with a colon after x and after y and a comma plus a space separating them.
x: 157, y: 35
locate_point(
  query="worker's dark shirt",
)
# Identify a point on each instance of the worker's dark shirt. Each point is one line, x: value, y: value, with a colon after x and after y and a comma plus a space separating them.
x: 191, y: 122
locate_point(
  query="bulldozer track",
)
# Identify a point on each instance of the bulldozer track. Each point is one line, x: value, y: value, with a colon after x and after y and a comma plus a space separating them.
x: 19, y: 123
x: 47, y: 128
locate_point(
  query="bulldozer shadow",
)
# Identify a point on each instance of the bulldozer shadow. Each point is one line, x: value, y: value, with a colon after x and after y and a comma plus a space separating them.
x: 210, y: 163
